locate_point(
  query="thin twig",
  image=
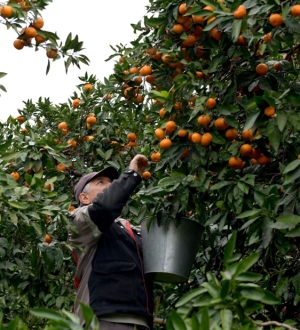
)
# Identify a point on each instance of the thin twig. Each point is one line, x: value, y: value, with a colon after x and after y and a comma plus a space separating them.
x: 283, y: 325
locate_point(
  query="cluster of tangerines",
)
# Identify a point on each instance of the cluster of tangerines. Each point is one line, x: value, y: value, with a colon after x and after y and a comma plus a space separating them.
x: 206, y: 139
x: 28, y: 33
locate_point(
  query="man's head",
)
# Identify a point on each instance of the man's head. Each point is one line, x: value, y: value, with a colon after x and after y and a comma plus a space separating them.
x: 94, y: 183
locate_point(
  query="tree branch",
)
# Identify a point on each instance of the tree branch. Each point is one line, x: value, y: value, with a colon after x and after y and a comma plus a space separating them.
x: 265, y: 324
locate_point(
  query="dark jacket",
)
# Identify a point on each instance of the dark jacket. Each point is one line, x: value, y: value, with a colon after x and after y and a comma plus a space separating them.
x: 117, y: 283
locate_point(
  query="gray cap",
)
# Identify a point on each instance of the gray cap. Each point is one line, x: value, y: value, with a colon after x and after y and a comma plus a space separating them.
x: 109, y: 172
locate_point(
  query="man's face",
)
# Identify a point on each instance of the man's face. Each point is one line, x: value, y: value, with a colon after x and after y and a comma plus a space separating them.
x: 96, y: 186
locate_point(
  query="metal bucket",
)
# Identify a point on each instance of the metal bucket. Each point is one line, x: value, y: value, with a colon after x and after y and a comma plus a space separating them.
x: 169, y: 251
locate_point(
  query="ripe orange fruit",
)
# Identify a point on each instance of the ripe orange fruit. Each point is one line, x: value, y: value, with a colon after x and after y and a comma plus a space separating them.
x: 182, y: 9
x: 61, y: 167
x: 165, y: 144
x: 178, y: 28
x: 91, y: 120
x: 140, y: 98
x: 62, y: 125
x: 50, y: 186
x: 38, y: 23
x: 88, y: 87
x: 20, y: 119
x: 276, y: 20
x: 6, y: 11
x: 131, y: 137
x: 185, y: 153
x: 162, y: 112
x: 15, y: 175
x: 39, y: 39
x: 262, y: 159
x: 196, y: 138
x: 19, y: 44
x: 72, y: 143
x: 48, y: 238
x: 215, y: 34
x: 159, y: 133
x: 71, y: 208
x: 145, y: 70
x: 198, y: 19
x: 203, y: 120
x: 240, y: 12
x: 211, y: 103
x: 262, y: 69
x: 206, y: 139
x: 51, y: 53
x: 247, y: 135
x: 189, y: 41
x: 208, y: 8
x: 235, y: 162
x: 155, y: 157
x: 254, y: 153
x: 134, y: 69
x: 171, y: 126
x: 231, y: 134
x: 246, y: 149
x: 25, y: 5
x: 76, y: 103
x: 269, y: 111
x: 150, y: 79
x: 30, y: 32
x: 267, y: 37
x: 295, y: 10
x: 200, y: 75
x: 121, y: 59
x: 220, y: 124
x: 241, y: 41
x: 88, y: 138
x: 182, y: 133
x: 146, y: 175
x: 277, y: 66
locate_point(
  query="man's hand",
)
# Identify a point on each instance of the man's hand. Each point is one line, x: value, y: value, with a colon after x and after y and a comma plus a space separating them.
x: 139, y: 164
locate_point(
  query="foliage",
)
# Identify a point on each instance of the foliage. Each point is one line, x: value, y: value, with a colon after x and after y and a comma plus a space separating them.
x: 254, y: 194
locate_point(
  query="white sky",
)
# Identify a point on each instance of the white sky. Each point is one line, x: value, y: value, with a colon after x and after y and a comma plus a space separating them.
x: 97, y: 23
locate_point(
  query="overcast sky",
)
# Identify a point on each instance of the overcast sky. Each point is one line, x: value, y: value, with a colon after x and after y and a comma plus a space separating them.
x: 97, y: 23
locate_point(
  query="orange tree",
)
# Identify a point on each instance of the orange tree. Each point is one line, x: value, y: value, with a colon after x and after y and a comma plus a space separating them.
x: 25, y: 17
x: 209, y: 91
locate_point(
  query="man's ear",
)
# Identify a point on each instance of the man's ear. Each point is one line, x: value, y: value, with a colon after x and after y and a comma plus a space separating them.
x: 84, y: 198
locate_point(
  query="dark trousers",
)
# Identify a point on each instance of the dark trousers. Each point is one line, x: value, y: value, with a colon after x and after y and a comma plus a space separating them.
x: 104, y: 325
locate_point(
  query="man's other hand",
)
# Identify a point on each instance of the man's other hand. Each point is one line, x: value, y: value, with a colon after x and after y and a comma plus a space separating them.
x: 139, y: 164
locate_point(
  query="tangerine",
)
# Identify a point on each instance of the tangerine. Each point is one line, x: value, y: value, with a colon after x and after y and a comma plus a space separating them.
x: 19, y: 44
x: 165, y: 144
x: 231, y: 134
x: 155, y: 157
x: 203, y: 120
x: 62, y: 125
x: 295, y: 10
x: 178, y: 28
x: 88, y: 87
x: 171, y: 126
x: 131, y: 137
x: 206, y: 139
x: 38, y: 23
x: 48, y: 238
x: 146, y: 175
x: 15, y: 175
x: 51, y: 53
x: 220, y: 124
x: 30, y: 32
x: 76, y: 103
x: 235, y: 162
x: 61, y: 167
x: 91, y: 120
x: 6, y: 11
x: 159, y: 133
x: 145, y: 70
x: 196, y: 138
x: 262, y: 69
x: 240, y: 12
x: 162, y: 112
x: 269, y: 111
x: 276, y: 20
x: 182, y: 133
x: 247, y: 135
x: 246, y: 149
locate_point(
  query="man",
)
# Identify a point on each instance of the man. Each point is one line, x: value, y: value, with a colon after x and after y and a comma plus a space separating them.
x: 108, y: 251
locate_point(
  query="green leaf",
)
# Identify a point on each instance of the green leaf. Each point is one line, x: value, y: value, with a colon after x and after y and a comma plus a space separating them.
x: 252, y: 293
x: 251, y: 120
x: 229, y: 247
x: 291, y: 166
x: 281, y: 120
x: 205, y: 320
x: 220, y: 185
x: 249, y: 277
x: 289, y: 218
x: 246, y: 264
x: 273, y: 134
x: 13, y: 218
x: 177, y: 321
x: 190, y: 295
x: 226, y: 319
x: 269, y: 298
x: 2, y: 74
x: 169, y: 181
x: 243, y: 187
x: 236, y: 29
x: 249, y: 214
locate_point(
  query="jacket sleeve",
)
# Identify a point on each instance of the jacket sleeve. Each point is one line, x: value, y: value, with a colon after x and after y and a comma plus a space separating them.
x: 108, y: 205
